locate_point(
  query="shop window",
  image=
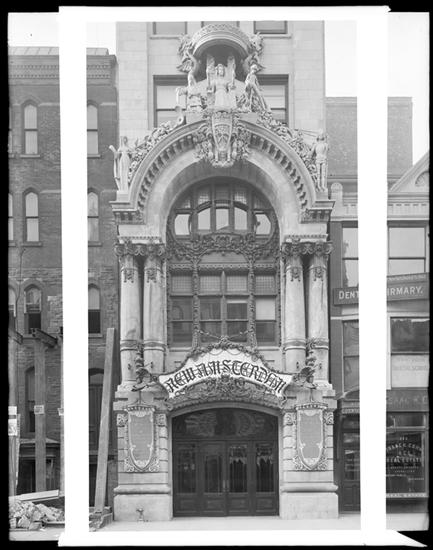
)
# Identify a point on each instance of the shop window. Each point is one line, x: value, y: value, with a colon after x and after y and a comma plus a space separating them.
x: 94, y: 318
x: 30, y: 129
x: 275, y: 92
x: 10, y: 217
x: 165, y: 98
x: 169, y: 27
x: 12, y: 307
x: 92, y: 217
x: 30, y: 400
x: 406, y: 475
x: 407, y: 250
x: 31, y: 217
x: 270, y: 27
x: 32, y: 309
x: 350, y: 256
x: 351, y: 355
x: 92, y: 130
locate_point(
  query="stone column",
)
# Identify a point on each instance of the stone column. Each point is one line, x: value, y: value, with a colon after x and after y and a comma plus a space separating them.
x: 130, y: 321
x: 294, y: 307
x: 318, y: 332
x: 154, y: 307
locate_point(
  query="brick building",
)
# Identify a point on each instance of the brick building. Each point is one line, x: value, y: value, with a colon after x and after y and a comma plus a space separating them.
x: 222, y: 229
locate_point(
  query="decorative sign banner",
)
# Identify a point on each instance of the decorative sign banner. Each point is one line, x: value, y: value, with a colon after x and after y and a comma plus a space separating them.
x: 220, y: 363
x: 399, y: 287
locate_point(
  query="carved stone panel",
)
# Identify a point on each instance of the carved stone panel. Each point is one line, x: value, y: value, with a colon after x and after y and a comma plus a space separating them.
x: 310, y: 437
x: 141, y: 441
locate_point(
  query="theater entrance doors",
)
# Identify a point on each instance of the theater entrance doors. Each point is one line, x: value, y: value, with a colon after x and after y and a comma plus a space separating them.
x: 225, y: 463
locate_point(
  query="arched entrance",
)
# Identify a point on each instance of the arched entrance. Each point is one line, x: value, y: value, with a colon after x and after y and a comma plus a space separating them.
x: 225, y: 463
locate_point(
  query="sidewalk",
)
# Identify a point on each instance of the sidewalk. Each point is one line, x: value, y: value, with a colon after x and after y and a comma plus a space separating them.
x: 400, y: 522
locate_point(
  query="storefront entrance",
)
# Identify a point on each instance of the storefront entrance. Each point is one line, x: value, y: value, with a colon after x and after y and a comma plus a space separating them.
x: 225, y: 462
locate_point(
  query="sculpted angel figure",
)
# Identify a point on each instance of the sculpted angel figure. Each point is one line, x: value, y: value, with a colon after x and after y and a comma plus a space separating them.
x: 122, y: 162
x: 319, y: 153
x: 252, y: 89
x: 220, y: 83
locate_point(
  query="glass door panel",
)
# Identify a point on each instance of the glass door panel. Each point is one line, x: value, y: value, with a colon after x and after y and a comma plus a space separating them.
x: 185, y: 479
x: 238, y: 469
x: 213, y: 480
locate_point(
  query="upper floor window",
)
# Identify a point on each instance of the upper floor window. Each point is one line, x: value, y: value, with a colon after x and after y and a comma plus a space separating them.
x: 12, y: 307
x: 270, y: 27
x: 32, y: 309
x: 31, y: 217
x: 222, y: 207
x: 165, y: 98
x: 92, y: 216
x: 350, y: 256
x: 275, y: 92
x: 407, y: 250
x: 94, y: 310
x: 10, y: 217
x: 410, y: 335
x: 92, y: 130
x: 350, y: 355
x: 169, y: 27
x: 30, y: 129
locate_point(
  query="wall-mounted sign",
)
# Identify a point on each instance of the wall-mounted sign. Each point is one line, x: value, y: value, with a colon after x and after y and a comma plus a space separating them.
x: 407, y: 400
x: 39, y: 409
x: 12, y: 410
x: 12, y: 427
x: 399, y: 287
x: 220, y: 363
x: 409, y: 371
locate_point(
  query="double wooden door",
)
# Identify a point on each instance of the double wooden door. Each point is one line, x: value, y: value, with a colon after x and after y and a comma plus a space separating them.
x: 225, y: 477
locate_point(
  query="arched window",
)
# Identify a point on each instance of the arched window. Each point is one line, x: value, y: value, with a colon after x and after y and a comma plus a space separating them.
x: 30, y: 400
x: 92, y: 216
x: 31, y: 217
x: 223, y: 275
x: 32, y: 309
x: 10, y: 217
x: 94, y: 310
x: 12, y: 307
x: 92, y: 130
x: 30, y: 130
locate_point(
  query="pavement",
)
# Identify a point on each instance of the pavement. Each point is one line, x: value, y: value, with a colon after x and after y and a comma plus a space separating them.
x: 400, y: 522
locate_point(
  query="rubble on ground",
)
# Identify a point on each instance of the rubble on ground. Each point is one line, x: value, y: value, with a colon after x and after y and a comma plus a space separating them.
x: 27, y: 515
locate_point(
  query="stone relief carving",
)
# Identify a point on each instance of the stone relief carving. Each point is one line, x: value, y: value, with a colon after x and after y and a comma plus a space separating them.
x: 310, y: 451
x: 319, y: 153
x: 122, y: 162
x: 141, y: 439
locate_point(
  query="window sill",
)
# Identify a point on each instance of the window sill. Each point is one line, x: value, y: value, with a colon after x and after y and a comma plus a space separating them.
x: 96, y: 335
x: 94, y: 243
x: 33, y: 156
x: 94, y: 156
x: 32, y: 243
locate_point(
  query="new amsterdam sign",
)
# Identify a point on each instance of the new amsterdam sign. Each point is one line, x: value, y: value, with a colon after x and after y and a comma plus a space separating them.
x: 221, y: 363
x: 399, y: 287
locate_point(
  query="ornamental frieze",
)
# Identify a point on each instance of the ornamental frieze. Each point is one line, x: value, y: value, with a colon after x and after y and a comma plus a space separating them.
x: 152, y: 250
x: 296, y: 248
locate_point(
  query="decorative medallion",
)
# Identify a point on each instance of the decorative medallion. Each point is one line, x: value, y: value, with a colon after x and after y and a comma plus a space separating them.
x: 310, y: 437
x: 141, y: 442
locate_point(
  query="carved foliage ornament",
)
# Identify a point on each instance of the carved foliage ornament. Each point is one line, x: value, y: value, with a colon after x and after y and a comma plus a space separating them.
x: 310, y: 452
x: 148, y: 250
x: 141, y: 441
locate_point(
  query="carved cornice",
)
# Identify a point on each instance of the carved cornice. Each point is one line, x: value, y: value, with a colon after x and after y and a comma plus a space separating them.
x: 220, y: 33
x: 296, y: 248
x: 145, y: 250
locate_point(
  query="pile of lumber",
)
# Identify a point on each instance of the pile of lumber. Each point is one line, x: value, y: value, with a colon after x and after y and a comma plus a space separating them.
x: 27, y: 515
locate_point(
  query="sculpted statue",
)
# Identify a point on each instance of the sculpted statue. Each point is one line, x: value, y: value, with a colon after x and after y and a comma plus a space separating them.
x: 122, y: 162
x: 253, y: 91
x: 221, y: 84
x: 319, y: 153
x: 193, y: 95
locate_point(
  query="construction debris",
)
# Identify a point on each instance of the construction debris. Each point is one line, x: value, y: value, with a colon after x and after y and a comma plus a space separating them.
x: 27, y: 515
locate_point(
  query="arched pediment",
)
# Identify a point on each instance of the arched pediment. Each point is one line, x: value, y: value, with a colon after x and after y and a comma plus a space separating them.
x: 180, y: 158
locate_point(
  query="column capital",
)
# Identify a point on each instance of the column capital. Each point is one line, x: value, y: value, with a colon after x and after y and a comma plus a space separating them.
x: 151, y: 249
x: 296, y: 248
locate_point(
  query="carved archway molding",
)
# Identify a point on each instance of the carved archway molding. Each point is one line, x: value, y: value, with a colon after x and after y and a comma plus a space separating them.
x: 130, y: 207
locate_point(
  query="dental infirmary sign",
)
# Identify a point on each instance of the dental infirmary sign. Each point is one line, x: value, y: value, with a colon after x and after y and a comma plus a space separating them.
x: 220, y: 363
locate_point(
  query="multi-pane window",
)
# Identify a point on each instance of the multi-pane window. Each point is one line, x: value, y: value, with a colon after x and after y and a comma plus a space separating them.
x: 30, y: 129
x: 92, y: 216
x: 410, y: 335
x: 169, y: 27
x: 275, y: 92
x: 10, y: 217
x: 351, y: 355
x: 31, y: 217
x: 30, y: 400
x: 407, y: 250
x: 165, y: 99
x: 92, y: 130
x: 32, y: 309
x: 270, y: 27
x: 94, y: 310
x: 222, y: 208
x: 12, y: 307
x: 350, y: 256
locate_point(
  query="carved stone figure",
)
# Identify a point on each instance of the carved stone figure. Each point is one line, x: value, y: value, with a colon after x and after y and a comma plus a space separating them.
x: 122, y: 162
x: 193, y: 95
x: 220, y: 84
x: 319, y: 153
x: 253, y: 91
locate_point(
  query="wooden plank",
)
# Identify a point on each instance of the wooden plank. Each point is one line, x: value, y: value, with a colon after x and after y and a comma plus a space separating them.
x: 40, y: 419
x: 36, y: 497
x: 104, y: 431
